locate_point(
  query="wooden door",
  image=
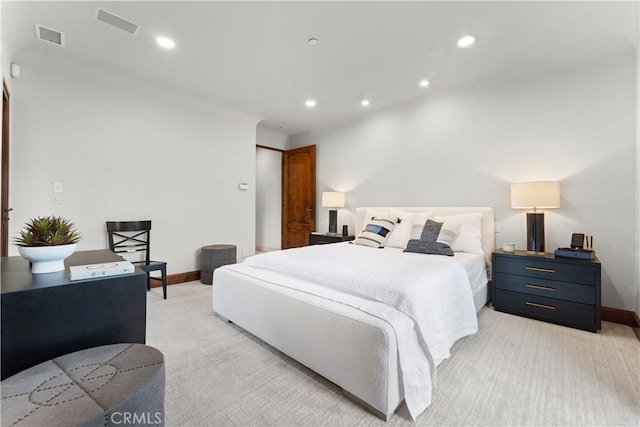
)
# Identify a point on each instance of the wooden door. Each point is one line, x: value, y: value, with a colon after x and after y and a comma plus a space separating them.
x: 4, y: 184
x: 298, y: 196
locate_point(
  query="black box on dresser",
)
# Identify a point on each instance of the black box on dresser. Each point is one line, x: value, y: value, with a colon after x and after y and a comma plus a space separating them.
x: 559, y: 290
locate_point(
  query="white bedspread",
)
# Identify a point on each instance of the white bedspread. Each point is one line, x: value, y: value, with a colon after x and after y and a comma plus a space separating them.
x: 433, y: 291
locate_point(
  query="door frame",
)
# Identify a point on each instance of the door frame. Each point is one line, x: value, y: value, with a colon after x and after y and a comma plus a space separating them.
x: 4, y: 185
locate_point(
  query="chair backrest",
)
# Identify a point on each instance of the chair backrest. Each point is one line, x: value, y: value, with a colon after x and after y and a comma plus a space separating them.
x: 130, y: 236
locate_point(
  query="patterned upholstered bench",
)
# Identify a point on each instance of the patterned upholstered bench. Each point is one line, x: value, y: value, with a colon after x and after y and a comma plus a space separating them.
x: 119, y: 384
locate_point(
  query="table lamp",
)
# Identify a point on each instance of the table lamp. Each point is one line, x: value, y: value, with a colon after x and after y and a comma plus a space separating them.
x: 535, y: 195
x: 332, y: 199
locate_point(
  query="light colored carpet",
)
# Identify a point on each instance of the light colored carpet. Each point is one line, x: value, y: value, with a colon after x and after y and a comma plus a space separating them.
x: 514, y: 371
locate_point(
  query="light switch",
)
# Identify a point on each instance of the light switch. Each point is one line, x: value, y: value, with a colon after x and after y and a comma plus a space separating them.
x: 58, y: 187
x: 497, y: 227
x: 243, y: 186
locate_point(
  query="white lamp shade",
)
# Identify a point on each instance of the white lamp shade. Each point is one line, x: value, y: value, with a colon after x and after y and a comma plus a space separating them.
x: 538, y: 194
x: 332, y: 199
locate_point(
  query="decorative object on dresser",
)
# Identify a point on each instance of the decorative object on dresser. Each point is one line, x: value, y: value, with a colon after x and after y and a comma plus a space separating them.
x: 558, y: 290
x: 581, y: 248
x: 535, y: 195
x: 324, y: 238
x: 214, y: 256
x: 46, y: 242
x: 332, y: 199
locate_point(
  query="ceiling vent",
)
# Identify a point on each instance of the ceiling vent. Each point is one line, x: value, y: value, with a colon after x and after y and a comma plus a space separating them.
x: 50, y: 36
x: 116, y: 21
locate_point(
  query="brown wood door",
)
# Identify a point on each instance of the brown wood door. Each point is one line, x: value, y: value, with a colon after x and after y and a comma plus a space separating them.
x: 4, y: 184
x: 298, y: 196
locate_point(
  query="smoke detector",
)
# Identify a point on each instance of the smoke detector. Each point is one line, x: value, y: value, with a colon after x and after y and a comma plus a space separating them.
x: 49, y: 35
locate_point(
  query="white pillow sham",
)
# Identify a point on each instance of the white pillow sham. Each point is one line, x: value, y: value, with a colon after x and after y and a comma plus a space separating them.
x: 400, y: 234
x: 469, y: 238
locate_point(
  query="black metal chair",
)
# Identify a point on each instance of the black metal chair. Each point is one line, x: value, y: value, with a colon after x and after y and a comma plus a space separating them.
x: 135, y: 236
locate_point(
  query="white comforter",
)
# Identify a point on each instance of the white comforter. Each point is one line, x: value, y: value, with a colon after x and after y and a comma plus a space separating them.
x: 433, y: 291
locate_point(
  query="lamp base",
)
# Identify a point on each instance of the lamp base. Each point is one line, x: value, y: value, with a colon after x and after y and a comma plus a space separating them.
x: 535, y: 233
x: 333, y: 221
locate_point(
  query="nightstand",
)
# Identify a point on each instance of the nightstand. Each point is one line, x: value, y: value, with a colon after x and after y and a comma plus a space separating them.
x: 316, y: 238
x: 565, y: 291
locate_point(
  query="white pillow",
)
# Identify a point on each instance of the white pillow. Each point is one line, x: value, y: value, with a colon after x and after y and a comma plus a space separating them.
x: 448, y: 232
x: 469, y: 237
x: 400, y: 234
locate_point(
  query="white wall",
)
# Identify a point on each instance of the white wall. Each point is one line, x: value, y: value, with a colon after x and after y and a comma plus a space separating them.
x: 270, y: 137
x: 126, y: 149
x: 466, y: 147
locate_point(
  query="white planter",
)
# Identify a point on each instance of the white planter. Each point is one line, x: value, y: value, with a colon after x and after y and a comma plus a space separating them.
x: 46, y: 259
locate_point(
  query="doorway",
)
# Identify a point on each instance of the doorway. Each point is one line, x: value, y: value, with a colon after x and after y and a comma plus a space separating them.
x: 268, y: 198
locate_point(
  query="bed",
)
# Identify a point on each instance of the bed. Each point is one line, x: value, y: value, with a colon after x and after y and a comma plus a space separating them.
x: 337, y: 316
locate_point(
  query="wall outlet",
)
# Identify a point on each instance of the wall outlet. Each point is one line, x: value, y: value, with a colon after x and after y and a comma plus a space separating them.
x: 246, y: 252
x: 57, y: 198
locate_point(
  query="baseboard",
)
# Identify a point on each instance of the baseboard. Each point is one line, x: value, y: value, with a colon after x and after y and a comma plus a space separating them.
x: 174, y: 279
x: 622, y: 317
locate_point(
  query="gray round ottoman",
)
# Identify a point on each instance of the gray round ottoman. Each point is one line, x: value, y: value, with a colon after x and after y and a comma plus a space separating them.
x: 214, y: 256
x: 119, y: 384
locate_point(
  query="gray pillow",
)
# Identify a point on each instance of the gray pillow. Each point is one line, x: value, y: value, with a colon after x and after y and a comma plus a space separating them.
x: 424, y: 247
x: 431, y: 231
x: 427, y: 243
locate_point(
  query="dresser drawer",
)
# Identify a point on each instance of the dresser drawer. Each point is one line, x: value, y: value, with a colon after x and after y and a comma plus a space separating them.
x: 546, y: 288
x: 550, y: 270
x: 548, y: 309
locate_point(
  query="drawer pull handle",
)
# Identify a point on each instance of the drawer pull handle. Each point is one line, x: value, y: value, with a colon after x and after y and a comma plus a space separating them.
x: 548, y: 307
x: 543, y: 270
x: 542, y: 288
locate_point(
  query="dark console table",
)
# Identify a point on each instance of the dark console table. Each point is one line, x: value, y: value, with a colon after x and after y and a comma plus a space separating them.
x: 47, y: 315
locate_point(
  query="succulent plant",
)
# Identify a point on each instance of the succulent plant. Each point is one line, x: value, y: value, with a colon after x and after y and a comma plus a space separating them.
x: 47, y: 231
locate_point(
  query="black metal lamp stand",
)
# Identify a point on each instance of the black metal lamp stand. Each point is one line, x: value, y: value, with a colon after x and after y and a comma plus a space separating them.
x: 535, y: 232
x: 333, y: 221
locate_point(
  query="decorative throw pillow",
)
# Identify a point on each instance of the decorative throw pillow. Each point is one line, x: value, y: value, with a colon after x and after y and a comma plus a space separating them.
x: 447, y: 235
x: 428, y: 244
x: 432, y: 248
x: 376, y: 231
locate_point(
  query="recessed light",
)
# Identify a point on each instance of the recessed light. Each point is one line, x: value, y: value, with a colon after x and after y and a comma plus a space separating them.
x: 166, y: 42
x: 424, y: 83
x: 466, y: 41
x: 313, y: 41
x: 365, y: 103
x: 310, y: 103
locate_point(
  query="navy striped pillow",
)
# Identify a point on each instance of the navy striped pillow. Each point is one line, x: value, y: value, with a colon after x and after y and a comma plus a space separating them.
x: 376, y: 232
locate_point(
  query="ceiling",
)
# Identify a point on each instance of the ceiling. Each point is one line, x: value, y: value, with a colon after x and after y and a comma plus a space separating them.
x: 255, y: 56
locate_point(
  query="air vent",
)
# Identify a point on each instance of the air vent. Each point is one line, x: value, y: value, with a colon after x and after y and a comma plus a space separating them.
x: 50, y: 36
x: 116, y: 21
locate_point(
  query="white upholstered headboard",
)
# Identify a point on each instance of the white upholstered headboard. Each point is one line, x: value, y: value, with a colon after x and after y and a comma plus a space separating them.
x: 488, y: 236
